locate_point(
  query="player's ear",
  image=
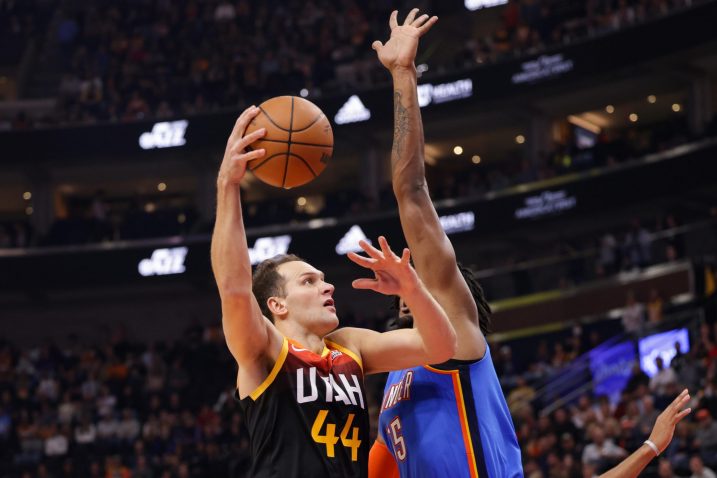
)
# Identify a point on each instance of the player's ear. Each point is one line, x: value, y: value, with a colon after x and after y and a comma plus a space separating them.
x: 277, y: 306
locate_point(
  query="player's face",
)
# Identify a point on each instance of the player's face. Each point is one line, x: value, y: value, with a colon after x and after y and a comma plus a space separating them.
x: 405, y: 319
x: 309, y: 298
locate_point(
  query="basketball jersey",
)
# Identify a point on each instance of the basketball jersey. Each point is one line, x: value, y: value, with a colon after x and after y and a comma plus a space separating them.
x: 309, y: 418
x: 449, y: 420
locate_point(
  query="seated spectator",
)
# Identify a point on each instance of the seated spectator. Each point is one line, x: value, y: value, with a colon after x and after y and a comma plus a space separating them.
x: 601, y: 451
x: 706, y: 437
x: 655, y: 305
x: 633, y: 314
x: 664, y: 377
x: 699, y: 470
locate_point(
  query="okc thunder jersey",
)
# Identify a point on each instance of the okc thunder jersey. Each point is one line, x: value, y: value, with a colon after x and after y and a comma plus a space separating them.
x: 449, y: 420
x: 309, y: 418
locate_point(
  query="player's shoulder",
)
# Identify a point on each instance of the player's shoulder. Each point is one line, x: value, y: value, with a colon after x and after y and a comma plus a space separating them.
x: 348, y: 338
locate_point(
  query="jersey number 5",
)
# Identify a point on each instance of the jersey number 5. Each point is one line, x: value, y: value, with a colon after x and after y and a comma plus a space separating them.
x: 330, y: 439
x: 399, y: 445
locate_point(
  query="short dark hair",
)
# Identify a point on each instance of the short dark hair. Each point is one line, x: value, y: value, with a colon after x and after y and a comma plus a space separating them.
x: 267, y: 282
x: 484, y: 310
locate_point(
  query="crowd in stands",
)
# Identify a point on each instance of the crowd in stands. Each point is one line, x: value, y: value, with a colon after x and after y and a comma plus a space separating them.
x: 166, y: 410
x: 592, y: 434
x: 127, y: 61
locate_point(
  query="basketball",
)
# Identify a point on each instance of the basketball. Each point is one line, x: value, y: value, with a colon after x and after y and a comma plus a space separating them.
x: 298, y: 142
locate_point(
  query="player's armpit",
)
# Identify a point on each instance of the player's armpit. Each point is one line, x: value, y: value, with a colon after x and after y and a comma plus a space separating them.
x: 381, y: 463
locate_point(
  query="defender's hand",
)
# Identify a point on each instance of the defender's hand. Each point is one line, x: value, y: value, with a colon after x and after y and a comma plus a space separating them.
x: 235, y: 159
x: 664, y: 427
x: 399, y: 52
x: 393, y: 275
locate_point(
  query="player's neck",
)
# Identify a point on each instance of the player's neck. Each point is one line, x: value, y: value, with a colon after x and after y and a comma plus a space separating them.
x: 308, y: 340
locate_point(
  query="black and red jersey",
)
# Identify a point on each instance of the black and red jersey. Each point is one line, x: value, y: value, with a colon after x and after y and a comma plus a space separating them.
x: 309, y: 417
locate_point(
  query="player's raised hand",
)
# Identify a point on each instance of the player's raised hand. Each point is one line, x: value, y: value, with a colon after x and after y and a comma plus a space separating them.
x: 400, y: 50
x: 233, y: 165
x: 667, y: 420
x: 393, y: 275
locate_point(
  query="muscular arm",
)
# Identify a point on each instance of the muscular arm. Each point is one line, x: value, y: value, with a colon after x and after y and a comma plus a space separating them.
x: 431, y: 340
x: 432, y: 251
x: 250, y: 337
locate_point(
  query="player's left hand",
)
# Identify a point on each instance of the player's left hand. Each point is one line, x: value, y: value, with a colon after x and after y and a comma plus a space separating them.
x: 393, y: 275
x: 400, y: 50
x: 665, y: 424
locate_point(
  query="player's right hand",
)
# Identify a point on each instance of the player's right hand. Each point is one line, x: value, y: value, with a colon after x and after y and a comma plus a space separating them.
x: 393, y: 275
x: 233, y: 166
x: 665, y: 424
x: 399, y: 52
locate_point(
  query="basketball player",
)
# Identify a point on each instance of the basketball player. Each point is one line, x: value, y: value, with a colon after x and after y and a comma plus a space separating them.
x: 300, y: 385
x: 449, y: 419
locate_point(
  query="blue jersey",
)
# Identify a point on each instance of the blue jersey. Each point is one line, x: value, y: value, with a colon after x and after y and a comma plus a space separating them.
x: 440, y: 422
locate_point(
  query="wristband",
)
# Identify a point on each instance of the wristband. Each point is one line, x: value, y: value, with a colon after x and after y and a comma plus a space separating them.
x: 653, y: 446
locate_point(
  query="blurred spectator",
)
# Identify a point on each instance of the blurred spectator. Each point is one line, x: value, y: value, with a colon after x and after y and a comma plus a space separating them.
x: 633, y: 314
x: 706, y: 437
x: 663, y: 378
x: 608, y: 254
x: 655, y: 305
x: 636, y: 246
x: 699, y: 470
x: 600, y: 450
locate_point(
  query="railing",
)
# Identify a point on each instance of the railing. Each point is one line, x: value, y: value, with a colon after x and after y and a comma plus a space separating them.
x: 567, y: 384
x: 553, y: 272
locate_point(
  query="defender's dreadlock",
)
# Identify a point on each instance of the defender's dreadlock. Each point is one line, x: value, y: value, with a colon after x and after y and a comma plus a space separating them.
x: 484, y: 311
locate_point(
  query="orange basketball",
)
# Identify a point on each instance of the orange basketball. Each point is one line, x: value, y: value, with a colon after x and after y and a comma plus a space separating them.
x: 298, y: 142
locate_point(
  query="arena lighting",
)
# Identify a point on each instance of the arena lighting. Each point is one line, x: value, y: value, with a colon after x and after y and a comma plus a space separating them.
x: 304, y: 92
x: 474, y: 5
x: 610, y: 109
x: 633, y: 117
x: 676, y: 107
x: 166, y: 134
x: 161, y: 187
x: 27, y: 195
x: 268, y: 247
x: 163, y: 262
x: 29, y: 210
x: 476, y: 159
x: 457, y: 150
x: 301, y: 201
x: 353, y: 111
x: 350, y: 241
x: 520, y: 139
x: 583, y: 123
x: 652, y: 99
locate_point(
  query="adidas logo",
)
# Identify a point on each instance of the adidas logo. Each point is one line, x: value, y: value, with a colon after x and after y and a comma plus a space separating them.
x: 350, y: 241
x: 352, y: 111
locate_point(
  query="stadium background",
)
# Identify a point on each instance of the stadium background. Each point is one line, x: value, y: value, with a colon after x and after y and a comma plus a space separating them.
x: 570, y: 150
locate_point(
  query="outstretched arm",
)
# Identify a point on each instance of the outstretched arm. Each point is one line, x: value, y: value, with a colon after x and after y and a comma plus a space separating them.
x: 432, y: 340
x: 432, y: 251
x: 661, y: 437
x: 248, y: 334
